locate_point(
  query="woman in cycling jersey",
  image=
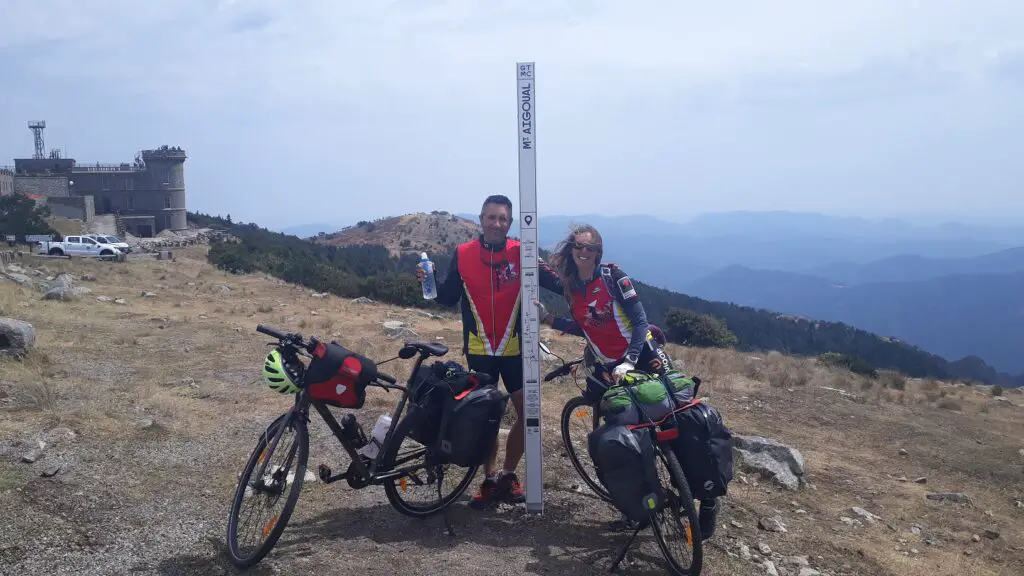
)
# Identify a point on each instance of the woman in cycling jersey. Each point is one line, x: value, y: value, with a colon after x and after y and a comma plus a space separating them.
x: 606, y: 310
x: 605, y: 307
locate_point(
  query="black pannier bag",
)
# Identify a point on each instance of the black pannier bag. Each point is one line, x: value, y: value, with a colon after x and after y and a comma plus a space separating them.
x: 704, y: 448
x: 456, y: 412
x: 470, y: 420
x: 625, y: 465
x: 427, y: 395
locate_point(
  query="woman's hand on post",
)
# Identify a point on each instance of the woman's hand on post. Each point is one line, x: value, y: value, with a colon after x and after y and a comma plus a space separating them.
x: 542, y: 311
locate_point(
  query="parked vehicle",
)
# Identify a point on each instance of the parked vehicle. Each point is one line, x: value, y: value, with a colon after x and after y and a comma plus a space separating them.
x: 112, y: 240
x: 79, y: 246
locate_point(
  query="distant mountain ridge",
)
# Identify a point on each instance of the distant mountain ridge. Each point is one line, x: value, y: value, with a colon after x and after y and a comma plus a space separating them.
x: 310, y: 230
x: 906, y: 268
x: 372, y: 270
x: 953, y: 316
x: 795, y: 263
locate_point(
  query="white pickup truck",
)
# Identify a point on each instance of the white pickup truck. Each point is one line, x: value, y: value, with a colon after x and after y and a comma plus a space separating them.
x: 78, y: 246
x: 112, y: 240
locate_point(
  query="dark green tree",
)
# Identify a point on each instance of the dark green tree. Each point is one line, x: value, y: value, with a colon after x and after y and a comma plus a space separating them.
x: 695, y: 329
x: 20, y: 216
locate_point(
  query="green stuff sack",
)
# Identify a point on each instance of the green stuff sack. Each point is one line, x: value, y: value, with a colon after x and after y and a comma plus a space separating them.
x: 650, y: 392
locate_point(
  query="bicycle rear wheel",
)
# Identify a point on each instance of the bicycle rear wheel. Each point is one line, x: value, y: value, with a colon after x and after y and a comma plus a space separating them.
x: 277, y: 481
x: 576, y: 411
x: 411, y: 458
x: 679, y: 516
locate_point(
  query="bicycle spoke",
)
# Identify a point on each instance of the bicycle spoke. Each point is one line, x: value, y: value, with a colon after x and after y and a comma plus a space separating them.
x: 674, y: 522
x: 268, y: 490
x: 577, y: 423
x: 402, y: 459
x: 402, y: 484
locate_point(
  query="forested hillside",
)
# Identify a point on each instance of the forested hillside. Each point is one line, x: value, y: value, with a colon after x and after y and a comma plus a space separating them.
x: 955, y: 315
x: 372, y: 271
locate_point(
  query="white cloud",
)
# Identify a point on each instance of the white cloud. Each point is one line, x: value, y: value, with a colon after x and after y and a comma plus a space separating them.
x: 344, y: 45
x: 409, y: 96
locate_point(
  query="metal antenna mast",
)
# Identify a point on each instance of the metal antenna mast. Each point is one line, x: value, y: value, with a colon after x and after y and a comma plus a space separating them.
x: 37, y: 128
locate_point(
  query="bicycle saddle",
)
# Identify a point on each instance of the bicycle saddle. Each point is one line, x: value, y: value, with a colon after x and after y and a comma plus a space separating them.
x: 429, y: 348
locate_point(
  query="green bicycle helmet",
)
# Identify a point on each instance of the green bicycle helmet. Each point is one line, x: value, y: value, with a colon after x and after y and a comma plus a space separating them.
x: 277, y: 377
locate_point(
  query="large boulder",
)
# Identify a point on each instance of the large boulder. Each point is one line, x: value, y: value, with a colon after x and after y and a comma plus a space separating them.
x: 16, y: 337
x: 63, y: 288
x: 771, y: 459
x: 395, y: 329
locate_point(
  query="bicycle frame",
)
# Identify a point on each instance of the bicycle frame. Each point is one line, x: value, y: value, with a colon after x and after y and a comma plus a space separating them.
x: 367, y: 474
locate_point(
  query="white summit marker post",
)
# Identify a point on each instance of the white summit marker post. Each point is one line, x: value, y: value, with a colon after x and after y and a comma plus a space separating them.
x: 526, y: 105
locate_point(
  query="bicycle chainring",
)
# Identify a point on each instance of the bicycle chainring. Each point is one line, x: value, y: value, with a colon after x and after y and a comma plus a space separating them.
x: 354, y: 479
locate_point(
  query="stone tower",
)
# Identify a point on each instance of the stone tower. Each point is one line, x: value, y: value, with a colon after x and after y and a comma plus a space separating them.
x: 165, y: 172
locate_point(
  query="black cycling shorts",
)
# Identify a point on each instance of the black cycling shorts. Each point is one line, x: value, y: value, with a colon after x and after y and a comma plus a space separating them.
x: 509, y: 368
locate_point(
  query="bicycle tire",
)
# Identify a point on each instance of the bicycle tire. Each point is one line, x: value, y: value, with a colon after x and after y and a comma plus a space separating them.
x: 683, y: 490
x: 302, y: 438
x: 390, y: 490
x: 567, y: 413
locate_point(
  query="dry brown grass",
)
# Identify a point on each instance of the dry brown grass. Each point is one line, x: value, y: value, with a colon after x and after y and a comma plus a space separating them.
x: 187, y: 361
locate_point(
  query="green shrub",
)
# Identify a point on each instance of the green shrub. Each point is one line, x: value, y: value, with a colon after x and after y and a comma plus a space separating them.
x: 701, y: 330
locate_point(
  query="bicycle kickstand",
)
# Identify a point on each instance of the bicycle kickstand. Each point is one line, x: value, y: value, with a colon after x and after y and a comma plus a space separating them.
x: 446, y: 513
x: 448, y: 522
x: 625, y: 548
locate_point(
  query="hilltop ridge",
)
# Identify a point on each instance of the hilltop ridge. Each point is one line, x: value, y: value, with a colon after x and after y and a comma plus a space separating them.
x: 438, y: 232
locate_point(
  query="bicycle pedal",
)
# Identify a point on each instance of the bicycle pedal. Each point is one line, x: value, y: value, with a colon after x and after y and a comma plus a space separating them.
x: 324, y: 471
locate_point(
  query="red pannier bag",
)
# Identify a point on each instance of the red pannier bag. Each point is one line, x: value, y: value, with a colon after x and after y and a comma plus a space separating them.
x: 338, y: 376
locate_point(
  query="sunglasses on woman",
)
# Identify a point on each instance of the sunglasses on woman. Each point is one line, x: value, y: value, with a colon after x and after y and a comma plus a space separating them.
x: 588, y: 247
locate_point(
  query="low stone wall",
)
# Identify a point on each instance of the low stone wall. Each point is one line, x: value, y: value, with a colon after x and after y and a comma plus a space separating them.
x: 11, y: 257
x: 162, y: 242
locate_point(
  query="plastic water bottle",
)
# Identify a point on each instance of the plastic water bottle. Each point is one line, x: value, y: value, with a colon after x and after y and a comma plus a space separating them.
x: 429, y: 286
x: 380, y: 430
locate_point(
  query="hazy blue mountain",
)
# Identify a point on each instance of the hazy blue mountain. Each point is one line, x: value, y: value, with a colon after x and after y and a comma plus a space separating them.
x: 952, y: 289
x: 911, y: 267
x: 952, y: 316
x: 769, y: 225
x: 672, y: 254
x: 308, y: 230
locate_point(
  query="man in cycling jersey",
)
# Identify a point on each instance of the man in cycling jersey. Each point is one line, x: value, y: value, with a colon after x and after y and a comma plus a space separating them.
x: 484, y: 275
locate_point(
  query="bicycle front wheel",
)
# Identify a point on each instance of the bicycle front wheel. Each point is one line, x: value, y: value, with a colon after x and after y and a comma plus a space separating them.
x: 280, y: 484
x: 579, y: 418
x: 675, y: 524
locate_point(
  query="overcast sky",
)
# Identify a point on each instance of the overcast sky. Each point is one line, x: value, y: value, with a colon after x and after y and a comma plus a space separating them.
x: 334, y: 111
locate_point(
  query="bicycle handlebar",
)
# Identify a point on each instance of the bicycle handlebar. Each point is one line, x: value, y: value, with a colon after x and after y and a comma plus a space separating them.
x: 561, y: 370
x: 272, y: 332
x: 289, y: 338
x: 297, y: 341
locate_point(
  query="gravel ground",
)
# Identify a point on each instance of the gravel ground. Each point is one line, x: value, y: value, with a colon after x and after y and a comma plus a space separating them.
x: 148, y: 411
